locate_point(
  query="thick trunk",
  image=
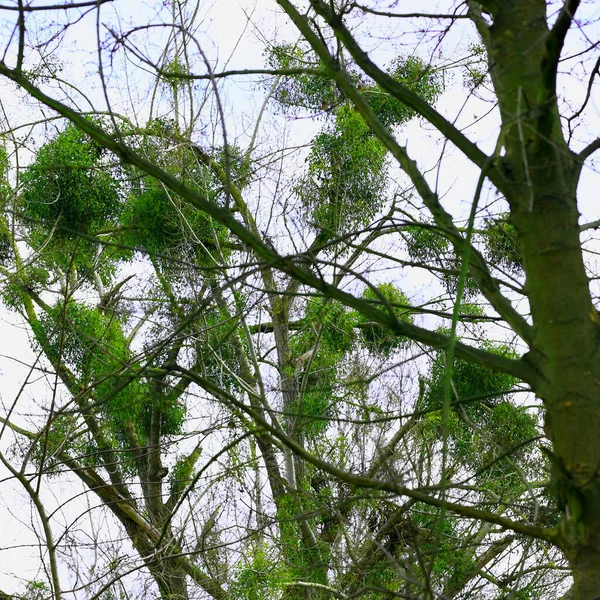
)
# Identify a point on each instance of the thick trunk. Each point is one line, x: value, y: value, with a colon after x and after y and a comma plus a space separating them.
x: 171, y: 580
x: 586, y: 574
x: 538, y: 174
x: 565, y: 351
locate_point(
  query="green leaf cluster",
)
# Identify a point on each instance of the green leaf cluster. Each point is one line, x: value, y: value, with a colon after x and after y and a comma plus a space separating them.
x: 163, y: 224
x: 261, y: 576
x: 470, y: 381
x: 378, y: 338
x: 312, y: 92
x: 318, y: 92
x: 486, y: 428
x: 501, y: 244
x: 70, y: 187
x: 438, y: 538
x: 303, y: 562
x: 6, y: 247
x: 159, y: 222
x: 93, y: 344
x: 346, y: 178
x: 345, y: 183
x: 415, y: 74
x: 217, y: 347
x: 426, y: 244
x: 71, y: 193
x: 322, y: 344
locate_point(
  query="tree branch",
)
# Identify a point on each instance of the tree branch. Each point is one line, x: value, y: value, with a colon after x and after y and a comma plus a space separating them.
x: 290, y: 264
x: 414, y: 15
x: 556, y: 40
x: 383, y: 79
x: 360, y: 481
x: 588, y: 151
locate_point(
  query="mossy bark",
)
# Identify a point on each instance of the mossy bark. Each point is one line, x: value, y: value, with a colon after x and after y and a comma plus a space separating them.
x: 538, y: 174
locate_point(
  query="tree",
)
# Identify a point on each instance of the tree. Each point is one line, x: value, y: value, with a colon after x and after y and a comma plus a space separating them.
x: 399, y: 457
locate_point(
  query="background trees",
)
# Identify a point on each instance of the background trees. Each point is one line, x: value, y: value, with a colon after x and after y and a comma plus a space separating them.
x: 303, y: 372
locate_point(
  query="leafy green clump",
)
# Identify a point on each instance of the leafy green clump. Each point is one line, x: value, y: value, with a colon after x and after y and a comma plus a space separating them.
x: 315, y: 90
x: 94, y: 345
x: 470, y: 381
x: 217, y: 350
x: 377, y: 338
x: 318, y: 350
x: 426, y: 244
x: 70, y: 187
x: 438, y: 533
x: 6, y: 238
x: 412, y: 72
x: 72, y: 193
x: 301, y: 90
x: 488, y: 431
x: 344, y: 186
x: 164, y: 225
x: 346, y: 177
x: 501, y: 244
x: 259, y: 577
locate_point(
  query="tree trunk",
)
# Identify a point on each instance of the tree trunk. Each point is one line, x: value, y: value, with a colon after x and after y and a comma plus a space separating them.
x: 585, y: 563
x: 538, y: 175
x: 171, y: 580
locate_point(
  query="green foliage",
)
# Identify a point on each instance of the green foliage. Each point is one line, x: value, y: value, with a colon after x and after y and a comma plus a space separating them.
x: 6, y: 247
x: 472, y: 310
x: 79, y: 336
x: 173, y: 71
x: 71, y: 192
x: 344, y: 186
x: 346, y: 178
x: 261, y: 576
x: 488, y: 431
x: 476, y: 70
x: 470, y: 380
x: 236, y: 161
x: 303, y: 562
x: 31, y: 278
x: 6, y: 238
x: 419, y: 77
x: 502, y: 246
x: 94, y: 346
x: 319, y: 348
x: 426, y: 244
x: 438, y: 536
x: 36, y: 590
x: 313, y: 92
x: 216, y: 349
x: 70, y: 187
x: 377, y: 338
x: 319, y: 93
x: 182, y: 472
x: 529, y: 592
x: 162, y: 223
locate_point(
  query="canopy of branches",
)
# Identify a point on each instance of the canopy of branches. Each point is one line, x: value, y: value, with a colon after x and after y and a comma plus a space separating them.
x: 314, y: 321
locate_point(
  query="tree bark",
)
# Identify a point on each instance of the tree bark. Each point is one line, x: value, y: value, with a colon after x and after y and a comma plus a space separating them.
x: 539, y: 176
